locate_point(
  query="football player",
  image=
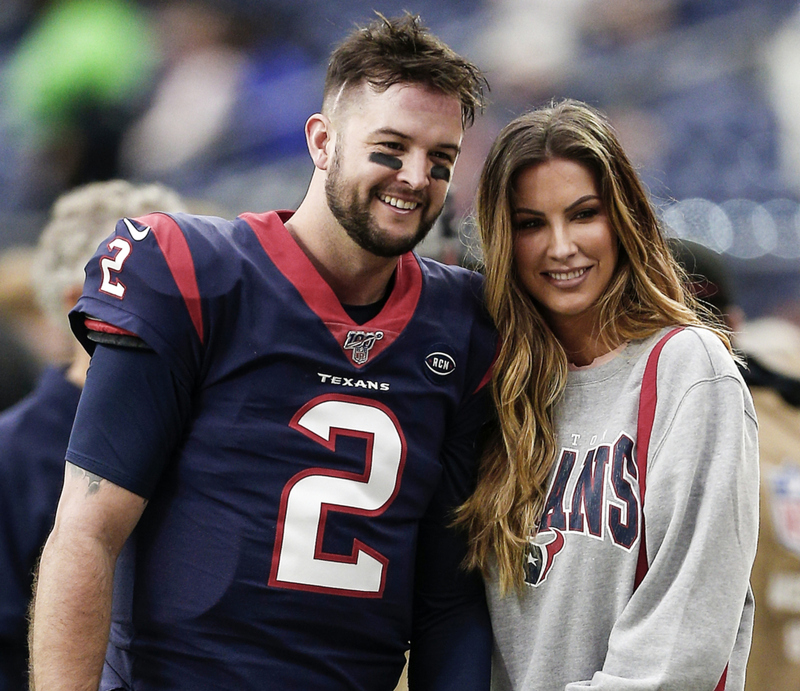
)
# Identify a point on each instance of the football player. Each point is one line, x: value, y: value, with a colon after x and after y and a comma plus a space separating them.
x: 280, y: 417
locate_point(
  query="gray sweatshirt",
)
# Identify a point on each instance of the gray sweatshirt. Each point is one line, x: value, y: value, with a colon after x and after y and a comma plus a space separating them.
x: 577, y: 624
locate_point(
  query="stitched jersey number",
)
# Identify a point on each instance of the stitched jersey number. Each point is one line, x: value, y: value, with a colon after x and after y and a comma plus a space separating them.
x: 298, y: 561
x: 112, y: 286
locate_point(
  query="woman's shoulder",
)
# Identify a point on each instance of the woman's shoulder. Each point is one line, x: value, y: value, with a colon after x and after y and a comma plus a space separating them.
x: 696, y: 351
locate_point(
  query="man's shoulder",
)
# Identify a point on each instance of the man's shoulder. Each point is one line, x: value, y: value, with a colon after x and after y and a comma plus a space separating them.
x: 216, y: 233
x: 452, y: 282
x: 246, y: 239
x: 202, y: 255
x: 441, y: 271
x: 455, y: 295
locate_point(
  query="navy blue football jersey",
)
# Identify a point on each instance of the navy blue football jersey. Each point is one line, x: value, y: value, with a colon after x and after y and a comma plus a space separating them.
x: 318, y: 470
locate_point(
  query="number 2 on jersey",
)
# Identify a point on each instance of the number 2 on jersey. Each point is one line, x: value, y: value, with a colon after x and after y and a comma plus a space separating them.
x: 298, y: 561
x: 113, y: 286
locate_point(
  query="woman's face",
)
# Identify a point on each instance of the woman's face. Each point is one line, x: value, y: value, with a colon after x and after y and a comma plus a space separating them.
x: 564, y: 248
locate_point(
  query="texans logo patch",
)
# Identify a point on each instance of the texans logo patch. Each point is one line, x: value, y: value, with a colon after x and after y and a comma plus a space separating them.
x: 542, y: 551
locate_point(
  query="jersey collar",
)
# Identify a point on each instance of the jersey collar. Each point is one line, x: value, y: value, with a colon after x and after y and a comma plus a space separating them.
x: 293, y: 263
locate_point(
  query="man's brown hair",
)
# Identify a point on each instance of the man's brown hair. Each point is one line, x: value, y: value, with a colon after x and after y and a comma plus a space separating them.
x: 403, y: 50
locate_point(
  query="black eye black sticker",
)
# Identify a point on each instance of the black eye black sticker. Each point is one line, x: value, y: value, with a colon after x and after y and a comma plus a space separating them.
x: 393, y: 162
x: 386, y: 160
x: 440, y: 173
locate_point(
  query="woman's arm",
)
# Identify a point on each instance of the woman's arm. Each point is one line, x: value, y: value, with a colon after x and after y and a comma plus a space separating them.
x: 680, y: 628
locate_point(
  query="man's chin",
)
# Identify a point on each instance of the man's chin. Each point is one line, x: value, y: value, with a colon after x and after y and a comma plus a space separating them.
x: 383, y: 243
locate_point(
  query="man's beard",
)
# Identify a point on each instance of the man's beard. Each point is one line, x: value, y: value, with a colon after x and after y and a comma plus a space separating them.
x: 354, y: 216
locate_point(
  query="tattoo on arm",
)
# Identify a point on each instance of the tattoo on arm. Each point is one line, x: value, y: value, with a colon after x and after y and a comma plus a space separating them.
x: 92, y: 479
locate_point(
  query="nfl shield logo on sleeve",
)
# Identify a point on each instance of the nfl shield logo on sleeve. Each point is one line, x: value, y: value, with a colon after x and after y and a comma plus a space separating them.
x: 784, y: 499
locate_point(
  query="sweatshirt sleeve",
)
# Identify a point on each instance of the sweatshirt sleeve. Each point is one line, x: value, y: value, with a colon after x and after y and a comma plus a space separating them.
x: 681, y: 628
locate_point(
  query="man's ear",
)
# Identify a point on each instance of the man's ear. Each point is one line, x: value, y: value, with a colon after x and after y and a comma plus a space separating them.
x: 320, y: 138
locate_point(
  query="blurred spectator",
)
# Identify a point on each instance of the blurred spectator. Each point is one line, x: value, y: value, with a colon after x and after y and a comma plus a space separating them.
x: 682, y: 77
x: 234, y: 94
x: 15, y: 16
x: 45, y: 342
x: 195, y: 93
x: 71, y: 85
x: 34, y: 433
x: 20, y: 362
x: 526, y: 46
x: 771, y: 349
x: 783, y: 72
x: 18, y: 367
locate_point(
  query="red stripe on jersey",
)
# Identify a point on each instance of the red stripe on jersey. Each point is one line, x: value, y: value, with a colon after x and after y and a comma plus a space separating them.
x: 105, y: 327
x: 293, y: 263
x: 488, y: 376
x: 173, y: 245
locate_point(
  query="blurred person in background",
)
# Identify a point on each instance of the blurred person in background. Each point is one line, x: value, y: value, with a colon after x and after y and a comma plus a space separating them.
x: 782, y: 64
x: 218, y: 101
x: 668, y: 71
x: 771, y: 348
x: 47, y: 342
x: 70, y: 86
x: 18, y: 367
x: 21, y: 360
x: 34, y: 433
x: 205, y: 54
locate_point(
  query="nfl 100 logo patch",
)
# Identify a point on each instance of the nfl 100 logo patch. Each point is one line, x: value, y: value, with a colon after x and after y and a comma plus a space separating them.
x: 784, y: 499
x: 360, y: 343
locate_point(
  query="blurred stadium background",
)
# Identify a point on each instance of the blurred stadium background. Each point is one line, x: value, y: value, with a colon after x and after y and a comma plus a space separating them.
x: 210, y: 97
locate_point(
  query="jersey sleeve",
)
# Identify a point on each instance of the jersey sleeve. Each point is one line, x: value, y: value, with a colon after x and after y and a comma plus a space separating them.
x: 142, y: 283
x: 681, y: 627
x: 135, y: 386
x: 452, y: 641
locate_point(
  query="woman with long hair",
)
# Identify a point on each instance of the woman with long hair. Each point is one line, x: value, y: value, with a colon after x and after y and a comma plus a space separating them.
x: 616, y: 516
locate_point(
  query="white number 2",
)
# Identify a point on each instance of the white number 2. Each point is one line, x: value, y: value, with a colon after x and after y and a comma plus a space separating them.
x: 298, y: 560
x: 112, y: 286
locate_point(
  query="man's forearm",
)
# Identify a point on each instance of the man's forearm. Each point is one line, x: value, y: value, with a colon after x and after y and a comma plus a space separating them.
x: 71, y: 613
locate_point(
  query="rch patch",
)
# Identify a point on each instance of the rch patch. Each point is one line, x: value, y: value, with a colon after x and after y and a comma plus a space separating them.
x: 439, y: 363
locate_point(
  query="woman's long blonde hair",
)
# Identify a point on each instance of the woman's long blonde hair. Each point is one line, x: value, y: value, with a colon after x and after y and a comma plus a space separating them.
x: 645, y: 294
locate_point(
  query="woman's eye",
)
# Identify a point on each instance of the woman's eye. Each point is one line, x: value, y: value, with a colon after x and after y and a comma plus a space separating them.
x: 528, y: 224
x: 586, y: 214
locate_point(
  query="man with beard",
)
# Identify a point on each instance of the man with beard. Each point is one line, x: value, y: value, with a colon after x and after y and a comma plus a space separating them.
x: 281, y: 415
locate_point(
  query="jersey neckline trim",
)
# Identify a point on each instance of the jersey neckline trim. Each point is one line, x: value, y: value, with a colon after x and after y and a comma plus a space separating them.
x: 297, y: 268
